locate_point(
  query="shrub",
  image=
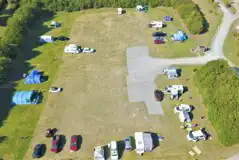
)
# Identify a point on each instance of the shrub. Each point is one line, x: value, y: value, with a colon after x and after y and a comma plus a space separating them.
x: 219, y: 87
x: 4, y: 67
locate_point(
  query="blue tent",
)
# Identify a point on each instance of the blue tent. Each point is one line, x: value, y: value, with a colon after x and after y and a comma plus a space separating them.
x: 167, y: 18
x: 179, y: 36
x: 25, y: 97
x: 33, y: 78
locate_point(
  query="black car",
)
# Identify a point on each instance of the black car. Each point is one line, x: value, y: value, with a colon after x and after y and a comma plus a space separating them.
x: 158, y: 95
x: 63, y: 38
x: 158, y: 34
x: 38, y: 151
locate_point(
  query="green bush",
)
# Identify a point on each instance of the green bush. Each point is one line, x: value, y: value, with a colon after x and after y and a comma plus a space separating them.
x: 219, y: 87
x: 4, y: 67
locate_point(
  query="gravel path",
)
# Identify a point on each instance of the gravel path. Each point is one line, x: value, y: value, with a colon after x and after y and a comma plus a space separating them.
x: 143, y: 69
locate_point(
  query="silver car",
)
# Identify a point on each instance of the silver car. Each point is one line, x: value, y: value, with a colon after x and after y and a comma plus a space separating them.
x: 127, y: 142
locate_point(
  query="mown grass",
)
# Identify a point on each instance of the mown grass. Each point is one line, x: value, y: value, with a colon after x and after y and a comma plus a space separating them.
x: 21, y: 120
x: 230, y: 48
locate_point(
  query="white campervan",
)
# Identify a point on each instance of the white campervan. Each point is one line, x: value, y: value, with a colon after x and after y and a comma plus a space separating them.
x: 72, y: 48
x: 113, y: 150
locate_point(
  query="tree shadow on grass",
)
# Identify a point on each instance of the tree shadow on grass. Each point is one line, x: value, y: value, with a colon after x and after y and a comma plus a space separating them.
x: 205, y: 22
x: 20, y: 64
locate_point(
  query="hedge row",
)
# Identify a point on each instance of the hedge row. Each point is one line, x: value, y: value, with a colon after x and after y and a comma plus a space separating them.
x: 186, y: 8
x: 219, y: 87
x: 13, y: 35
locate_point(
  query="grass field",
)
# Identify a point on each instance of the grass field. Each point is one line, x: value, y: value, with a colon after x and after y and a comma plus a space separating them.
x: 231, y: 46
x: 94, y: 103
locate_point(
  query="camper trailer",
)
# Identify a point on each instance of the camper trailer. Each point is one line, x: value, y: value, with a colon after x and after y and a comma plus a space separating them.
x: 120, y: 11
x: 156, y: 24
x: 143, y: 142
x: 72, y: 48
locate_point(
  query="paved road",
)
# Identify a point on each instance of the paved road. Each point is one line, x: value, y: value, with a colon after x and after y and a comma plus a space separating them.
x: 143, y: 69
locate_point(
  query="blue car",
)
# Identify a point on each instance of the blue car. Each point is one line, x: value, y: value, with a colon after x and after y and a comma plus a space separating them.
x: 38, y: 151
x: 127, y: 142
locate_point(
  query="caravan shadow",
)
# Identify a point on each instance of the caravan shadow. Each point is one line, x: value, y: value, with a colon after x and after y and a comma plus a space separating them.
x: 155, y: 139
x: 62, y: 142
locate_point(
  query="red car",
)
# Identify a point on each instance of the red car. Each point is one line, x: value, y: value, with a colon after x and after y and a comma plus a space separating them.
x: 55, y: 144
x: 73, y: 145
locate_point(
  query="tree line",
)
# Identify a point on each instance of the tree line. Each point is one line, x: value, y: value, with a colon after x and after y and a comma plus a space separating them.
x: 219, y: 87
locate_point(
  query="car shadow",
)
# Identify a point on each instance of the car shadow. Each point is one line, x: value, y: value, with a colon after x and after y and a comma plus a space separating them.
x: 62, y: 142
x: 43, y: 150
x: 121, y: 148
x: 79, y: 142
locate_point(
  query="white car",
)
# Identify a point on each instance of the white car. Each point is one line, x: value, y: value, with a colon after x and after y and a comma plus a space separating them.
x: 113, y: 150
x: 99, y: 153
x: 55, y: 89
x: 197, y: 135
x: 88, y: 50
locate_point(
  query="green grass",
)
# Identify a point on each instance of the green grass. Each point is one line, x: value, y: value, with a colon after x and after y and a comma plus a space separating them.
x: 22, y: 120
x: 230, y: 48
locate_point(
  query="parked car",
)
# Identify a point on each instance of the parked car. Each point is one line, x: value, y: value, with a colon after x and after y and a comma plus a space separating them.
x: 73, y: 144
x: 113, y: 150
x: 197, y: 135
x: 128, y: 146
x: 88, y: 50
x: 63, y: 38
x: 55, y: 89
x: 55, y: 145
x: 38, y: 151
x: 158, y: 95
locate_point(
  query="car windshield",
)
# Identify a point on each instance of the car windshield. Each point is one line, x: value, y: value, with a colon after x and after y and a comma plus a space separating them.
x: 190, y: 134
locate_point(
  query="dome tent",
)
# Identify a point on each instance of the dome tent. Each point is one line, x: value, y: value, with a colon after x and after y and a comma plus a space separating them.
x: 179, y: 36
x: 167, y: 18
x: 33, y: 78
x: 25, y: 97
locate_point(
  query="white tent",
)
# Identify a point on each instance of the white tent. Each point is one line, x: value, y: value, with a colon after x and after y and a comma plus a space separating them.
x: 72, y: 48
x: 99, y: 153
x: 120, y: 11
x: 139, y: 8
x: 54, y: 24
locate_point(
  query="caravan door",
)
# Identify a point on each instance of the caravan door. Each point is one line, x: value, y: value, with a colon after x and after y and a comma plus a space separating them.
x: 139, y: 142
